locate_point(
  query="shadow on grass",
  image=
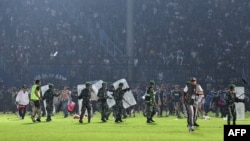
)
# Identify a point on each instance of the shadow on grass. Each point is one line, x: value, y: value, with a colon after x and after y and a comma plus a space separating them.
x: 32, y: 123
x: 152, y: 123
x: 29, y: 123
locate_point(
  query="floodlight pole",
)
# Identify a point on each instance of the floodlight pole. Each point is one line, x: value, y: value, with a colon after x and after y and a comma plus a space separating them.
x: 130, y: 38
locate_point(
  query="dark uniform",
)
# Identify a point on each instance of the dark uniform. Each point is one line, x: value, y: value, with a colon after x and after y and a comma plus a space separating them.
x: 230, y: 104
x: 215, y: 104
x: 160, y: 100
x: 176, y: 97
x: 118, y: 96
x: 85, y: 96
x: 150, y: 102
x: 102, y: 99
x: 48, y: 96
x: 74, y: 98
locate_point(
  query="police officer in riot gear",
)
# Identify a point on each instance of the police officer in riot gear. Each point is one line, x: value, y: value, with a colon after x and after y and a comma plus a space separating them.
x: 118, y: 96
x: 48, y: 96
x: 102, y: 99
x: 230, y: 104
x: 150, y: 102
x: 85, y: 95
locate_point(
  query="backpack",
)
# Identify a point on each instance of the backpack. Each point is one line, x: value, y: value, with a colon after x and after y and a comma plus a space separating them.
x: 221, y: 101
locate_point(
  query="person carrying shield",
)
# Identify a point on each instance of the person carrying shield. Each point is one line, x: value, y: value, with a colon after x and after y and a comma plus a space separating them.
x: 102, y: 99
x: 230, y: 99
x: 118, y: 96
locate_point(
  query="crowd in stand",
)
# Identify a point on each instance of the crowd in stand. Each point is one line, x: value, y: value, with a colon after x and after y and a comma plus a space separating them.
x: 173, y: 40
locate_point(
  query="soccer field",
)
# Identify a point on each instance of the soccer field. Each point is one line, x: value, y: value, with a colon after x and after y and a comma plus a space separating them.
x: 132, y: 129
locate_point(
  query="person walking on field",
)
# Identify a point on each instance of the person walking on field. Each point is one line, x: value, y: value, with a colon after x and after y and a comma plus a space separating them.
x: 118, y: 107
x: 22, y: 100
x: 35, y: 97
x: 102, y: 99
x: 176, y: 98
x: 65, y: 97
x: 85, y: 95
x: 150, y: 102
x: 230, y: 104
x: 49, y: 96
x: 190, y: 97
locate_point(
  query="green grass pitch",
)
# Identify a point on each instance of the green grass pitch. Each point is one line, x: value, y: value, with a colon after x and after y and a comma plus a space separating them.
x: 132, y: 129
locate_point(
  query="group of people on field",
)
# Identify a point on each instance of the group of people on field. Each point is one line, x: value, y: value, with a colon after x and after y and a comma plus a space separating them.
x: 189, y: 97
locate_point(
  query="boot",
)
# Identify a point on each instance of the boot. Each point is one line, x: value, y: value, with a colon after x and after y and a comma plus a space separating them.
x: 196, y: 124
x: 38, y: 120
x: 103, y: 120
x: 89, y: 118
x: 80, y: 120
x: 191, y: 129
x: 151, y: 119
x: 107, y: 117
x: 33, y: 118
x: 48, y: 119
x: 116, y: 120
x: 234, y: 123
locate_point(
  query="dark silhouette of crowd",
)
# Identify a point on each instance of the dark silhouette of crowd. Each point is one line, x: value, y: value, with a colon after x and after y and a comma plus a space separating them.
x: 77, y: 41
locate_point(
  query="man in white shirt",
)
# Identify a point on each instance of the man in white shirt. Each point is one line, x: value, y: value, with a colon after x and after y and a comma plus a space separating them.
x: 22, y: 100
